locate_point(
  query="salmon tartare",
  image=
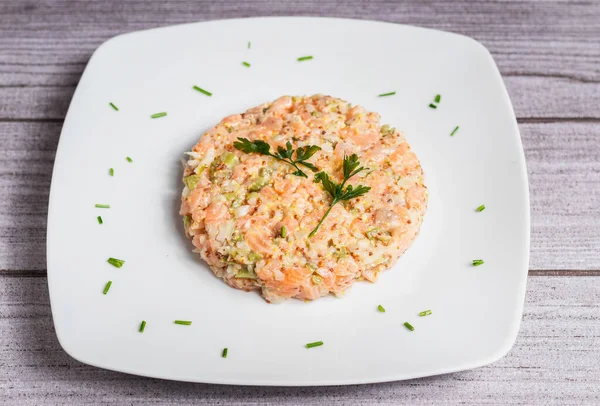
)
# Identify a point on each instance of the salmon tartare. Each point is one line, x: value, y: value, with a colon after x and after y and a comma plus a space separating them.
x: 255, y: 219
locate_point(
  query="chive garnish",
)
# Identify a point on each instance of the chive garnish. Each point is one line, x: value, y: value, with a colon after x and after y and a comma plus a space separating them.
x: 433, y: 106
x: 111, y: 172
x: 386, y: 94
x: 224, y: 353
x: 438, y: 98
x: 283, y: 232
x: 481, y: 208
x: 305, y: 58
x: 102, y: 206
x: 454, y: 131
x: 129, y: 159
x: 142, y: 326
x: 100, y: 220
x: 315, y: 344
x: 107, y: 287
x: 206, y: 92
x: 477, y: 262
x: 158, y: 115
x: 381, y: 308
x: 183, y: 322
x: 409, y: 326
x: 113, y: 106
x: 246, y: 64
x: 117, y: 263
x: 425, y: 313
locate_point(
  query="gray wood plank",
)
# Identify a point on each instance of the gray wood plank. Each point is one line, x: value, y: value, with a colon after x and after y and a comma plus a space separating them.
x: 556, y: 360
x: 564, y: 173
x: 532, y: 97
x: 537, y: 37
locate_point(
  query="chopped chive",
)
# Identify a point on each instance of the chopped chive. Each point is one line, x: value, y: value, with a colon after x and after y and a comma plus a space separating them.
x: 142, y: 326
x: 425, y: 313
x: 305, y: 58
x: 206, y: 92
x: 100, y: 220
x: 386, y: 94
x: 158, y: 115
x: 409, y: 326
x: 183, y: 322
x: 477, y: 262
x: 433, y: 106
x: 381, y: 308
x: 283, y: 232
x: 246, y: 64
x: 454, y: 131
x: 107, y: 287
x: 438, y: 98
x: 113, y: 106
x: 224, y: 353
x: 129, y: 159
x: 249, y: 44
x: 481, y: 208
x: 102, y: 206
x: 111, y: 172
x: 117, y: 263
x: 315, y: 344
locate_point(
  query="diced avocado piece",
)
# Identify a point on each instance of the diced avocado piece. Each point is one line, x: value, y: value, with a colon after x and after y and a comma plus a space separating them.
x: 245, y: 275
x: 191, y: 181
x: 254, y: 256
x: 263, y: 179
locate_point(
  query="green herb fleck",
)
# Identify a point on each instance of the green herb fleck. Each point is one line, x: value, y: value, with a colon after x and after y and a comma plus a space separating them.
x: 381, y: 308
x: 102, y: 206
x: 433, y: 106
x: 425, y: 313
x: 111, y: 172
x: 129, y: 159
x: 100, y: 220
x: 143, y: 326
x: 118, y: 263
x: 387, y: 94
x: 438, y: 98
x: 183, y: 322
x: 283, y: 232
x: 224, y: 353
x: 409, y: 326
x: 206, y: 92
x: 314, y: 344
x: 107, y: 287
x: 477, y: 262
x: 481, y: 208
x: 454, y: 131
x: 249, y: 44
x: 305, y: 58
x: 158, y: 115
x: 246, y: 64
x: 337, y: 191
x: 113, y: 106
x: 282, y: 154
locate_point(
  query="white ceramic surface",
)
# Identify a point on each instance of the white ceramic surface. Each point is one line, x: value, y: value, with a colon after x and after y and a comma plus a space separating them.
x: 476, y: 310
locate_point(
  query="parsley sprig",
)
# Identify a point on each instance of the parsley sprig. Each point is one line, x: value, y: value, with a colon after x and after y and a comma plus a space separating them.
x: 337, y: 191
x: 283, y: 154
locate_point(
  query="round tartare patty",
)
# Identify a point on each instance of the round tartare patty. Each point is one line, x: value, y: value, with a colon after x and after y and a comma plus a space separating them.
x: 249, y: 216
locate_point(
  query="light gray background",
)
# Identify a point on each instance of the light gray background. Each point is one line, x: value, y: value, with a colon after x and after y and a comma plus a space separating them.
x: 549, y: 55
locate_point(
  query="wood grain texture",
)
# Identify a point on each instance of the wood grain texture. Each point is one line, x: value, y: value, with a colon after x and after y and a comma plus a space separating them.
x: 532, y: 97
x: 563, y: 162
x: 556, y: 360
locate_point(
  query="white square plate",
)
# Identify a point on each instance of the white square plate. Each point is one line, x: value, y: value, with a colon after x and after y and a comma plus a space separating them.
x: 476, y: 310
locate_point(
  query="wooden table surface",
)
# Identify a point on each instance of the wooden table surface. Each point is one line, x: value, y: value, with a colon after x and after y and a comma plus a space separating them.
x: 549, y: 55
